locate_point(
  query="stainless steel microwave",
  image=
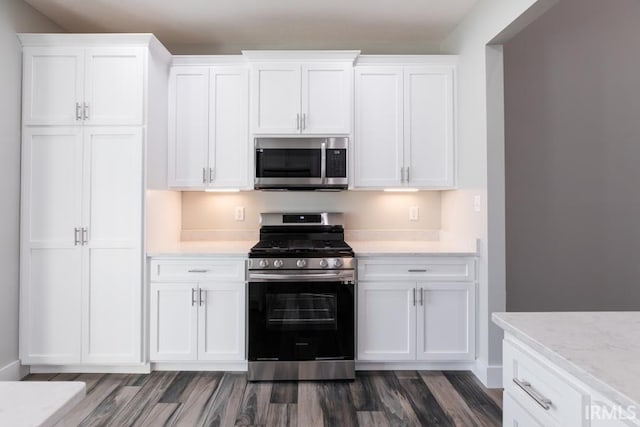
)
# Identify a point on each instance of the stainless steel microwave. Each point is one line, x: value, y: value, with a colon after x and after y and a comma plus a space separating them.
x: 301, y: 164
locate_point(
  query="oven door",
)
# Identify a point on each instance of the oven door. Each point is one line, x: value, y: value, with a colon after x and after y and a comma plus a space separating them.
x: 301, y: 320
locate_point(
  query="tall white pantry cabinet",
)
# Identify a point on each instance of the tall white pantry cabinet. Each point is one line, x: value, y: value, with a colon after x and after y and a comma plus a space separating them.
x: 93, y: 110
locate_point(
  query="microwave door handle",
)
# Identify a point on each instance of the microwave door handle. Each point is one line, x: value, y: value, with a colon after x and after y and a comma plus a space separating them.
x: 323, y: 162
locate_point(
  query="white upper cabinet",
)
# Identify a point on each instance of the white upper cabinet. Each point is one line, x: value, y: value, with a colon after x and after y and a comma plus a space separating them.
x: 405, y: 125
x: 428, y: 126
x: 301, y: 92
x: 188, y: 127
x: 276, y: 101
x: 326, y: 99
x: 209, y: 127
x: 97, y: 86
x: 378, y: 127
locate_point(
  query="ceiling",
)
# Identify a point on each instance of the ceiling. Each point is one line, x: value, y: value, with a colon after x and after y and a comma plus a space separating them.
x: 227, y: 26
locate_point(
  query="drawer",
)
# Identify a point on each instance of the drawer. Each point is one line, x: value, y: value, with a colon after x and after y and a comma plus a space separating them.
x: 539, y: 382
x: 436, y: 268
x: 197, y: 270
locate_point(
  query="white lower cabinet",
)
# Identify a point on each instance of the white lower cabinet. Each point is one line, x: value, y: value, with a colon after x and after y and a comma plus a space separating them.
x: 514, y: 415
x: 197, y: 320
x: 415, y: 320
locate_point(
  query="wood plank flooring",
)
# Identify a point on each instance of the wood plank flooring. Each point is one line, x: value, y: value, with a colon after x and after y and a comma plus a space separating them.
x: 380, y: 398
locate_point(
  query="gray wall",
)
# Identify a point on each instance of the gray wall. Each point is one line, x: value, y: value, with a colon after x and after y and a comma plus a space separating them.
x: 572, y: 128
x: 15, y: 16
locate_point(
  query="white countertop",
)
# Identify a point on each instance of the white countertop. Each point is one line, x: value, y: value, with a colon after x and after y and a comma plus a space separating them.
x: 37, y: 403
x: 360, y: 247
x: 409, y: 247
x: 601, y: 349
x: 204, y: 248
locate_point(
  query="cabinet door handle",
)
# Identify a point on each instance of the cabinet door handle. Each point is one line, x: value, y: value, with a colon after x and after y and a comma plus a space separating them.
x: 407, y: 172
x: 85, y: 235
x: 196, y: 270
x: 85, y: 112
x: 298, y: 121
x: 78, y: 111
x: 304, y: 121
x: 540, y: 399
x: 76, y: 236
x: 201, y: 296
x: 211, y: 175
x: 414, y: 297
x: 418, y: 270
x: 193, y: 297
x: 422, y: 296
x: 204, y: 175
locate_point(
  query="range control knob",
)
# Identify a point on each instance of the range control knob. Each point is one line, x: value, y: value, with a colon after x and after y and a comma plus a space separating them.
x: 263, y: 263
x: 278, y: 263
x: 324, y: 263
x: 301, y: 263
x: 337, y: 263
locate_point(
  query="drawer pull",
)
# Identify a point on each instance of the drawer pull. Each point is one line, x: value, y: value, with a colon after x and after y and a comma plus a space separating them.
x: 418, y: 271
x: 198, y: 271
x: 540, y: 399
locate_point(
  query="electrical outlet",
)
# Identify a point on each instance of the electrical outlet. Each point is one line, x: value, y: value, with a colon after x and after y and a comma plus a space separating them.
x: 239, y: 213
x: 476, y: 203
x: 414, y: 213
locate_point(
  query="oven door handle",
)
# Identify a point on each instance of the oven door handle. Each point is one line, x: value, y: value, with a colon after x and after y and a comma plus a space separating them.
x: 335, y: 277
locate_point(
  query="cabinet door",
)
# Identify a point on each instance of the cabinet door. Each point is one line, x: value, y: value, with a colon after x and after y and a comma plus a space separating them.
x: 112, y: 217
x: 446, y: 321
x: 50, y: 273
x: 429, y: 126
x: 114, y: 86
x: 514, y: 415
x: 326, y: 99
x: 229, y: 128
x: 221, y: 315
x: 53, y: 86
x: 174, y: 322
x: 188, y: 127
x: 276, y: 107
x: 386, y: 321
x: 378, y: 142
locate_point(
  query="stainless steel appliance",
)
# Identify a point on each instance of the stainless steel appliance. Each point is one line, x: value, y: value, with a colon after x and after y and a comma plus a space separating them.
x: 301, y: 299
x: 301, y: 164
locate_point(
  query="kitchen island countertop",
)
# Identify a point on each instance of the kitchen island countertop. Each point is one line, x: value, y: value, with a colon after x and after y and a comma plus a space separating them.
x: 601, y: 349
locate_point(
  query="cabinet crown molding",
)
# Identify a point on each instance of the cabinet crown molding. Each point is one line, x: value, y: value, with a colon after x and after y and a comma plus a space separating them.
x: 147, y: 40
x: 301, y: 55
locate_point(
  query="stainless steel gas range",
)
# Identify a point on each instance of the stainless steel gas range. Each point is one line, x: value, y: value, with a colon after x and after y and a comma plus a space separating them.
x: 301, y: 299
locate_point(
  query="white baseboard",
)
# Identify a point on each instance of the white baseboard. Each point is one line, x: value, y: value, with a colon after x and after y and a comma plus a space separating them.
x: 200, y: 366
x: 414, y: 366
x: 489, y: 375
x: 14, y: 371
x: 91, y: 369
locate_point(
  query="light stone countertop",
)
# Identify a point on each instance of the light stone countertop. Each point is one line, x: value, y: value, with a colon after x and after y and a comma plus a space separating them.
x: 409, y: 248
x: 601, y: 349
x: 37, y: 403
x: 218, y: 248
x: 361, y: 248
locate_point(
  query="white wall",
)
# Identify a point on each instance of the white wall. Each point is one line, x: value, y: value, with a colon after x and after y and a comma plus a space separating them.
x: 572, y: 86
x: 15, y: 16
x: 364, y: 210
x: 480, y: 165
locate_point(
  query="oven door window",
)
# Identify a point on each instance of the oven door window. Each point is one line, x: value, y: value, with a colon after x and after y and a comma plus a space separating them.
x: 302, y: 311
x: 301, y: 320
x: 288, y: 163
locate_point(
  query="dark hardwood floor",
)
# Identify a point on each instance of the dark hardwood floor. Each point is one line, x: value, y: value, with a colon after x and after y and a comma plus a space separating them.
x: 381, y: 398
